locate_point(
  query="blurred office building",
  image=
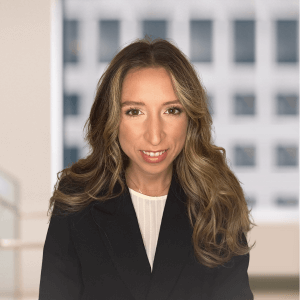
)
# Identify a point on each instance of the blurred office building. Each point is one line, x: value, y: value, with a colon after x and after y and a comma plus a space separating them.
x: 246, y: 54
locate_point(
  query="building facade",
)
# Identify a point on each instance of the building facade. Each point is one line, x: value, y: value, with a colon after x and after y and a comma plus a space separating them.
x: 246, y: 54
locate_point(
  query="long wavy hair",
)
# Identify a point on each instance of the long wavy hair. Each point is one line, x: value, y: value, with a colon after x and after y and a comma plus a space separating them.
x: 216, y: 204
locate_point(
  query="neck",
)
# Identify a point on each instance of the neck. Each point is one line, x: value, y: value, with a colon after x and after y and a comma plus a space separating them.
x: 151, y: 185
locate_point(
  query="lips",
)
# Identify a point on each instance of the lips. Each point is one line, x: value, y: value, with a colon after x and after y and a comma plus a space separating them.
x: 154, y: 151
x: 154, y: 159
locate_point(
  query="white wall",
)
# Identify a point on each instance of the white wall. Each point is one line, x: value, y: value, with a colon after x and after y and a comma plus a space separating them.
x: 25, y: 151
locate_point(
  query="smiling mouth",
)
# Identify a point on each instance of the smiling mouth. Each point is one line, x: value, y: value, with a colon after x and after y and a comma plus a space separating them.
x: 155, y: 154
x: 154, y: 151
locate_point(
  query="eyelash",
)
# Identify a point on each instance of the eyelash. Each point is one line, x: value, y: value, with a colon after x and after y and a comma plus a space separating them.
x: 173, y: 107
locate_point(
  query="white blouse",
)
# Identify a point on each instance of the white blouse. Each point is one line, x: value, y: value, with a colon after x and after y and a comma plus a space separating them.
x: 149, y: 211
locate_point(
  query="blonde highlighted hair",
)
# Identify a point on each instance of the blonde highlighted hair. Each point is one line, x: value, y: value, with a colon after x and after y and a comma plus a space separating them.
x: 216, y: 204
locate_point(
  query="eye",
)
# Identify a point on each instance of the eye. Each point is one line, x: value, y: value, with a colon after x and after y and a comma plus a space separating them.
x: 173, y: 108
x: 130, y: 110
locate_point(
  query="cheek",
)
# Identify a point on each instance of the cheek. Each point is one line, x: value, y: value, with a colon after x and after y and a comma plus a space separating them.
x: 180, y: 130
x: 127, y: 131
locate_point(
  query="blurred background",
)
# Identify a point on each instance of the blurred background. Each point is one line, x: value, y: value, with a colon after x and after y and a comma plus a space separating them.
x: 247, y: 56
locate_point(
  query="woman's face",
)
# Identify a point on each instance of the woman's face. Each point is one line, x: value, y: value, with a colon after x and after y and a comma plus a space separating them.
x: 153, y: 126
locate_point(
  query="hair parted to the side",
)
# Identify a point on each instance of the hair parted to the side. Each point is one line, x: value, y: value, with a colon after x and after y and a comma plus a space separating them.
x: 216, y: 204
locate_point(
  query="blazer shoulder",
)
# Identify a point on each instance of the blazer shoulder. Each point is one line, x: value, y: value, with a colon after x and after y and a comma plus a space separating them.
x: 58, y: 239
x: 61, y: 268
x: 232, y: 281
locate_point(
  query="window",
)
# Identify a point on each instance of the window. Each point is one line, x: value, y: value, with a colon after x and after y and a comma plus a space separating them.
x: 109, y: 39
x: 9, y: 273
x: 287, y: 41
x: 9, y: 225
x: 201, y: 40
x: 155, y: 29
x: 71, y: 155
x: 244, y: 156
x: 244, y: 41
x: 71, y: 44
x: 251, y: 202
x: 9, y: 220
x: 287, y: 156
x: 287, y: 104
x: 71, y: 103
x: 244, y: 104
x: 287, y: 201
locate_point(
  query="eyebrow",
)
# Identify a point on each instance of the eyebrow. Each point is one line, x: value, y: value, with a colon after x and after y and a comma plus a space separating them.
x: 143, y: 104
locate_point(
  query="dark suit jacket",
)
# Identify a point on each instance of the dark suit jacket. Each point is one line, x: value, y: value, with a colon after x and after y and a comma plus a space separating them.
x: 99, y: 253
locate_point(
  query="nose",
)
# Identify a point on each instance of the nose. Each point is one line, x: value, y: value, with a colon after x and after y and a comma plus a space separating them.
x: 154, y: 129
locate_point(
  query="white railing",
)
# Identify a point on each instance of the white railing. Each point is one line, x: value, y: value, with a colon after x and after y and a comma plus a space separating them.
x: 12, y: 244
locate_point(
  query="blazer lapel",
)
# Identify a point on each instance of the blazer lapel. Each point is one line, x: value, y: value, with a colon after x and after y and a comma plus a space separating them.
x: 119, y: 228
x: 173, y: 246
x: 120, y: 231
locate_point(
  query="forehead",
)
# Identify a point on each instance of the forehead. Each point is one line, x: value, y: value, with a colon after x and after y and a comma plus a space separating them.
x: 148, y: 84
x: 144, y: 78
x: 146, y: 72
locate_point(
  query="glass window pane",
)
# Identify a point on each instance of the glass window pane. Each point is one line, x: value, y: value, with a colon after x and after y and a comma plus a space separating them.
x: 155, y: 29
x: 244, y: 104
x: 71, y: 103
x: 287, y: 41
x: 244, y: 156
x: 251, y: 201
x: 8, y: 220
x: 109, y: 39
x: 201, y: 40
x: 71, y: 42
x: 287, y: 201
x: 287, y: 156
x: 287, y: 104
x: 244, y: 41
x: 8, y: 189
x: 7, y: 273
x: 71, y: 155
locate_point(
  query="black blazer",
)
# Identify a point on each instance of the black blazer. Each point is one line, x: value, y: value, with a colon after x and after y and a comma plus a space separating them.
x: 99, y: 253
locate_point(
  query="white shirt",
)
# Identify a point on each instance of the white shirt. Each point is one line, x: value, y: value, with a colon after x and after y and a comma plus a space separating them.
x: 149, y: 211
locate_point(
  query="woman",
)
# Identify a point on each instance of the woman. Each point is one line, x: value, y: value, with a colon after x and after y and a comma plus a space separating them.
x: 131, y: 224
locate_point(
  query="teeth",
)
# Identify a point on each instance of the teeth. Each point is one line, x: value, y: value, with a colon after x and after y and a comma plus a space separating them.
x: 154, y: 154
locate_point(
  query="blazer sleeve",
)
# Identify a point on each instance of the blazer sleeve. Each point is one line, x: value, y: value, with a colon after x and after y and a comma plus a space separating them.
x: 232, y: 281
x: 61, y: 269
